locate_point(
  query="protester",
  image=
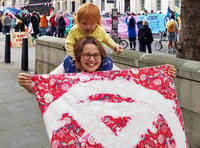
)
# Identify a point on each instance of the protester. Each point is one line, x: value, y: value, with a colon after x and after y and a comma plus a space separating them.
x: 172, y: 28
x: 88, y: 22
x: 6, y: 23
x: 61, y: 26
x: 44, y: 23
x: 53, y: 25
x: 34, y: 23
x: 89, y: 53
x: 24, y: 22
x: 28, y: 19
x: 131, y: 31
x: 145, y: 37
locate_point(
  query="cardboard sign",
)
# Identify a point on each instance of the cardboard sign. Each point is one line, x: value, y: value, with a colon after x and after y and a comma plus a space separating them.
x: 17, y: 39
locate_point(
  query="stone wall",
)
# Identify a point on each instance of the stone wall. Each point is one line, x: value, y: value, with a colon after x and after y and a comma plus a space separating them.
x: 50, y: 53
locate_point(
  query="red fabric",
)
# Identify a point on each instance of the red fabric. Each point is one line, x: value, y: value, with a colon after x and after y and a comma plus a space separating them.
x: 49, y: 89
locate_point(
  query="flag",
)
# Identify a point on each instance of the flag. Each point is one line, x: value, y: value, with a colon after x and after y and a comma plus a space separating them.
x: 122, y: 108
x: 51, y: 12
x: 168, y: 12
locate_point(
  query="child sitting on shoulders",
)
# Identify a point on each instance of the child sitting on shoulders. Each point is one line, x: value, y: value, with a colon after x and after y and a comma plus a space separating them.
x: 88, y: 23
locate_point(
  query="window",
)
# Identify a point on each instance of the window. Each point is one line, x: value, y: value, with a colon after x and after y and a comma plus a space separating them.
x: 142, y: 5
x: 66, y: 8
x: 102, y: 5
x: 158, y: 5
x: 177, y: 3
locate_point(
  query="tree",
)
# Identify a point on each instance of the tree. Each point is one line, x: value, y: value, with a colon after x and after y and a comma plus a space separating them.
x: 189, y: 41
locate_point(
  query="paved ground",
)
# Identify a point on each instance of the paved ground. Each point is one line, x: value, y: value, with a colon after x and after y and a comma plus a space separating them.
x: 21, y: 124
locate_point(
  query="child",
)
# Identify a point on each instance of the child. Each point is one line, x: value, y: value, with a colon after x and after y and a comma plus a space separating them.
x: 88, y: 23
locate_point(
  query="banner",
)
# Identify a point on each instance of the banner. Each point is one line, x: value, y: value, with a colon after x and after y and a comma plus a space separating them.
x: 123, y: 108
x: 157, y: 22
x: 17, y: 38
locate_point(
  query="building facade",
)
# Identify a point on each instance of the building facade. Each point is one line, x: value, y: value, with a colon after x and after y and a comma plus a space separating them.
x: 136, y: 6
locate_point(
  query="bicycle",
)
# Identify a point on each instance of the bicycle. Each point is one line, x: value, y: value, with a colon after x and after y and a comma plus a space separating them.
x: 163, y: 37
x: 118, y: 39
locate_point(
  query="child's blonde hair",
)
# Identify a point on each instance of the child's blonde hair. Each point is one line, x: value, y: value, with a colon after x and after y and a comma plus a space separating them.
x: 88, y: 12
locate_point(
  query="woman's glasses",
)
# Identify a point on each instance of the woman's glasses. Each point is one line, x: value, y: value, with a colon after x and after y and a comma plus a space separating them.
x: 87, y: 56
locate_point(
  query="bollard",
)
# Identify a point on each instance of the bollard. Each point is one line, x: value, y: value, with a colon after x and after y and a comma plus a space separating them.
x: 24, y: 62
x: 7, y: 48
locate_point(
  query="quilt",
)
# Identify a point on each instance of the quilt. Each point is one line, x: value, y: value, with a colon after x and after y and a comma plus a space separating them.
x: 131, y: 108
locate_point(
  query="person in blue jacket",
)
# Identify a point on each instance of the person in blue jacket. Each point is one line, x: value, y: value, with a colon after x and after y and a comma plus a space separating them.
x: 131, y: 23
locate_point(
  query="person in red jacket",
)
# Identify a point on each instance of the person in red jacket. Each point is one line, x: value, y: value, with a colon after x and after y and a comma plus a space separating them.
x: 53, y: 25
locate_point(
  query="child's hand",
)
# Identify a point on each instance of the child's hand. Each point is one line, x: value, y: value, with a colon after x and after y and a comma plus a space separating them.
x: 77, y: 64
x: 172, y: 71
x: 118, y: 49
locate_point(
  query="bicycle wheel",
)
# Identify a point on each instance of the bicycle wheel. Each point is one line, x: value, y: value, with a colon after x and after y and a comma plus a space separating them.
x: 158, y: 45
x: 124, y: 43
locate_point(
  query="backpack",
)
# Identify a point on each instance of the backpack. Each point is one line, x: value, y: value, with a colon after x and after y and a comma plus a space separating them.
x: 171, y: 26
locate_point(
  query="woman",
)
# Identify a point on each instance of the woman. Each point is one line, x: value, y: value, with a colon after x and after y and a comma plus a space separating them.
x: 131, y: 31
x: 145, y: 37
x: 89, y: 53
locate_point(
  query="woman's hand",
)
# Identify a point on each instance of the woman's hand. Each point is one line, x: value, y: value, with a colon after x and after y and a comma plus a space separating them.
x: 172, y: 71
x: 25, y: 80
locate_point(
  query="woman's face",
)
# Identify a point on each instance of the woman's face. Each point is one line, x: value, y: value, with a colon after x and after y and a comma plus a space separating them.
x: 87, y: 27
x: 90, y: 58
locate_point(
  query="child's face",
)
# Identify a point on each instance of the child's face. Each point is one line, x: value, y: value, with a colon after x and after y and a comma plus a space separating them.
x: 90, y: 58
x: 87, y: 27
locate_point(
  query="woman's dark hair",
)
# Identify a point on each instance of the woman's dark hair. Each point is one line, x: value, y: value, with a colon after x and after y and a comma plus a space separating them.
x: 78, y: 47
x: 131, y: 22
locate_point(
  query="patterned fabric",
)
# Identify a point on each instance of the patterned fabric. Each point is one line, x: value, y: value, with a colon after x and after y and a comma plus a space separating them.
x: 123, y: 108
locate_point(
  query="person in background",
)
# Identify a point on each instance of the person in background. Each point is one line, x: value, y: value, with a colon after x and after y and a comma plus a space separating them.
x: 35, y: 24
x: 61, y: 26
x: 44, y: 23
x: 88, y: 23
x: 172, y: 29
x: 24, y: 21
x: 145, y: 37
x: 6, y: 23
x: 53, y: 25
x: 131, y: 31
x: 18, y: 23
x: 28, y: 19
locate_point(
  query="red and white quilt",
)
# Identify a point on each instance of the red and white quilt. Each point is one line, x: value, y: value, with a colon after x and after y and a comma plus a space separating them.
x: 134, y: 108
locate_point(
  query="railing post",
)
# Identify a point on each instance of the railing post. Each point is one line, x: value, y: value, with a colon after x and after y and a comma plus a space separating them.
x: 24, y: 60
x: 7, y: 48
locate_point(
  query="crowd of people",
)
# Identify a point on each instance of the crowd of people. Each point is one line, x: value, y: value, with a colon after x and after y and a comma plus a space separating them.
x: 33, y: 22
x: 39, y: 25
x: 145, y: 36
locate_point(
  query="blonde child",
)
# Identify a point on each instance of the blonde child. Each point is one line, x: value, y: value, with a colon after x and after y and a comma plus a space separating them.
x: 88, y: 23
